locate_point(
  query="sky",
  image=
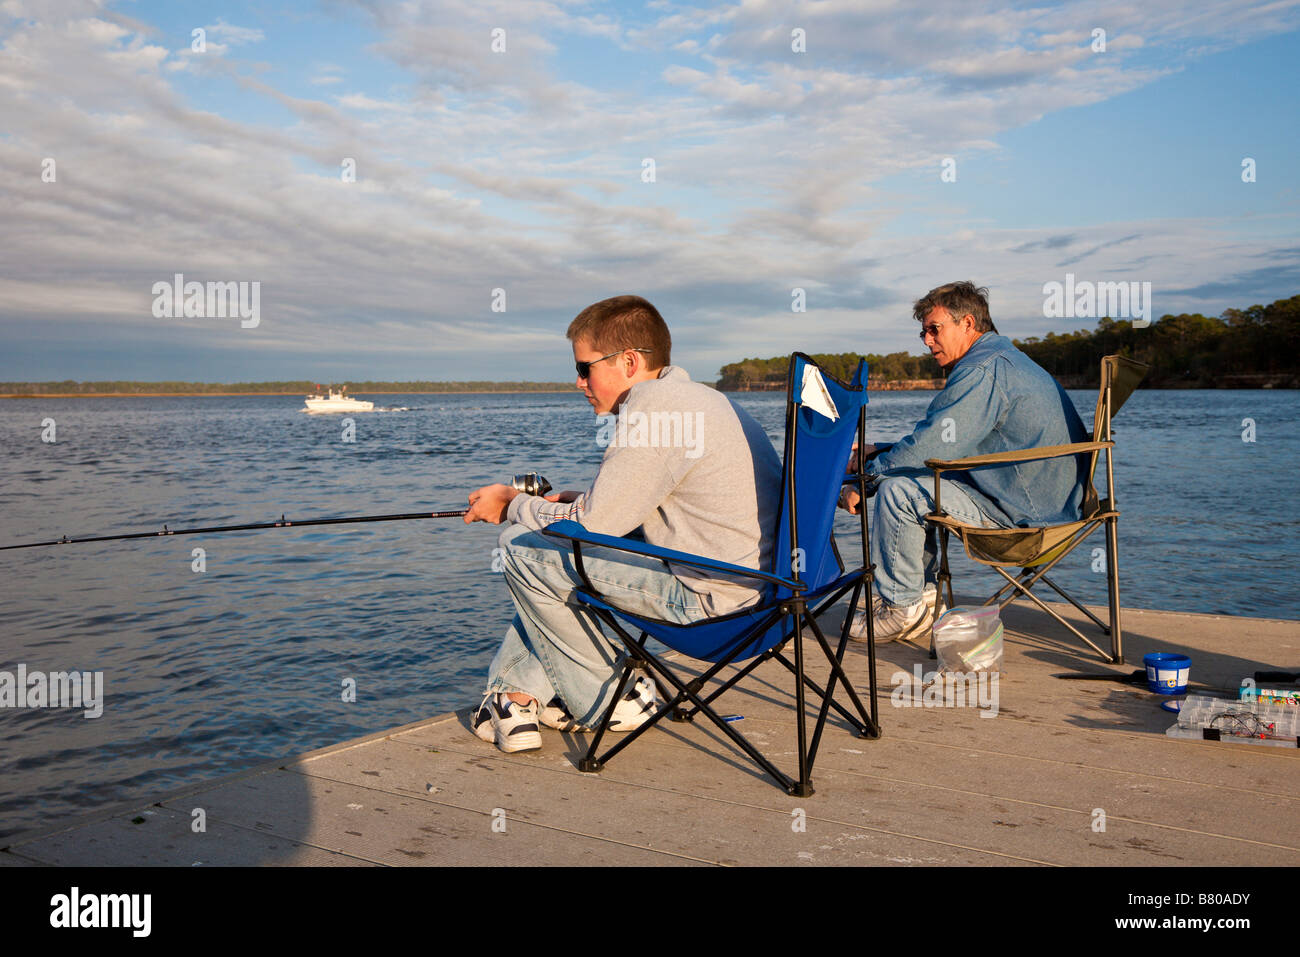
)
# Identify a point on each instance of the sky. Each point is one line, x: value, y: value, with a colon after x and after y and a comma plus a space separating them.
x: 432, y: 190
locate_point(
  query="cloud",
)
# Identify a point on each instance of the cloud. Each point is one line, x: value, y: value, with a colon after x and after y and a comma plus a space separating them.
x: 1088, y: 254
x: 1051, y: 242
x: 518, y: 170
x: 233, y: 35
x: 1250, y: 286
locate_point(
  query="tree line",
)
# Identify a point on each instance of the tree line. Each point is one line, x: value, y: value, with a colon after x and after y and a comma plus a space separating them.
x: 760, y: 374
x: 1242, y: 347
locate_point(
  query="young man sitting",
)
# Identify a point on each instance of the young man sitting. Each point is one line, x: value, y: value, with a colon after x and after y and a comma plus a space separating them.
x: 692, y: 471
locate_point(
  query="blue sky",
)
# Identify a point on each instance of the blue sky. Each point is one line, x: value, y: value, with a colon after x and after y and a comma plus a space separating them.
x: 522, y: 169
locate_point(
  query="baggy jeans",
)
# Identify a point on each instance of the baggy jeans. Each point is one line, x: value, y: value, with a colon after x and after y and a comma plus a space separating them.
x: 903, y: 547
x: 555, y: 647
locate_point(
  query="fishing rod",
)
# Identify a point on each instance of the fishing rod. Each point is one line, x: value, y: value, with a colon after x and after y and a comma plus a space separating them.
x: 530, y: 483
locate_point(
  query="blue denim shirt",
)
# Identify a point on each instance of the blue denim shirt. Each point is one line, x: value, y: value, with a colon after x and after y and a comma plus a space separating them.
x: 997, y: 399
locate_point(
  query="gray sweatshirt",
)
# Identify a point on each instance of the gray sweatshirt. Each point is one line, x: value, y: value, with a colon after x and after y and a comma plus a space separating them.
x: 695, y: 472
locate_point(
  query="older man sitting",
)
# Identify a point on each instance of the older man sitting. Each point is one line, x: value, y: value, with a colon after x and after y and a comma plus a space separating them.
x: 996, y: 399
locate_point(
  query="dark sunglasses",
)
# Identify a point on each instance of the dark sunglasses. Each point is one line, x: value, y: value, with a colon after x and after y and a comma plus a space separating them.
x: 584, y: 368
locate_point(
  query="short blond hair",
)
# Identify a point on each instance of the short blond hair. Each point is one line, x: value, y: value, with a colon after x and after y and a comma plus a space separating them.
x: 624, y: 322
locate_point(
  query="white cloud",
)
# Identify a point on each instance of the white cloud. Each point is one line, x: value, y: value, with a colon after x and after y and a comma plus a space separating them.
x: 233, y: 35
x: 506, y: 170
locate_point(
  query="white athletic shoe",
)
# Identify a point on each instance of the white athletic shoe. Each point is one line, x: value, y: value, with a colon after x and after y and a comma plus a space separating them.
x: 556, y: 715
x: 635, y: 708
x: 895, y: 623
x: 507, y: 724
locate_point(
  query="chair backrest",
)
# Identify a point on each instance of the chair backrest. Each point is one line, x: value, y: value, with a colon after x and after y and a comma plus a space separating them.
x: 1120, y: 376
x: 817, y: 448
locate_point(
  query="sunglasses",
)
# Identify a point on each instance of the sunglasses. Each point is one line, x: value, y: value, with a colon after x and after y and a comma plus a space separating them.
x: 584, y: 368
x: 934, y: 330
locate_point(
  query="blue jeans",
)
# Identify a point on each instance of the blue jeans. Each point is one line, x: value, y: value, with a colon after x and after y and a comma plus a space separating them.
x: 555, y: 646
x: 904, y: 548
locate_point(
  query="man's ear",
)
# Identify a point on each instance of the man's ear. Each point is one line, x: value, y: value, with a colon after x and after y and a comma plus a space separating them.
x: 640, y: 363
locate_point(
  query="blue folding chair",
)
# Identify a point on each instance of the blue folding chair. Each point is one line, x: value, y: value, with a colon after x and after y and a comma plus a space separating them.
x: 808, y: 578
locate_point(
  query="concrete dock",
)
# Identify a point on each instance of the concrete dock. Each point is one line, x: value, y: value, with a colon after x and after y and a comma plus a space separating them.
x: 1067, y: 773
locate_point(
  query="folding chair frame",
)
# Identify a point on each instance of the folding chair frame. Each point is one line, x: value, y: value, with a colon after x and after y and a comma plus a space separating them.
x: 1021, y: 585
x: 865, y: 722
x: 1101, y: 513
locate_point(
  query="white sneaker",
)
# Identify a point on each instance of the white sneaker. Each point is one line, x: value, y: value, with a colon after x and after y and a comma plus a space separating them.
x: 639, y: 704
x: 507, y: 724
x: 635, y: 708
x: 482, y: 720
x: 895, y: 623
x: 557, y: 715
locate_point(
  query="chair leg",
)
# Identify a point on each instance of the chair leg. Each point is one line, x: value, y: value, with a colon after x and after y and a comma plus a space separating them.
x: 659, y: 686
x: 1112, y: 582
x: 869, y: 726
x: 815, y: 688
x: 1043, y: 607
x: 774, y: 652
x: 589, y: 763
x: 944, y: 581
x: 1105, y: 628
x: 866, y: 724
x: 680, y: 715
x: 800, y: 617
x: 805, y: 787
x: 684, y: 691
x: 1021, y: 587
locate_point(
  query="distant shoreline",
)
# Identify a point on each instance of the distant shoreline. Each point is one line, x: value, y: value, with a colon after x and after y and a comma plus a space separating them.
x: 883, y: 387
x: 1284, y: 385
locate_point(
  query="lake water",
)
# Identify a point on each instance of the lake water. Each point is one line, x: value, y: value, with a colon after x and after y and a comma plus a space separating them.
x: 208, y: 672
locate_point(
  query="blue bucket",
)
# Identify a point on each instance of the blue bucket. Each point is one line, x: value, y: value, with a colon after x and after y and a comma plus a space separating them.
x: 1167, y: 673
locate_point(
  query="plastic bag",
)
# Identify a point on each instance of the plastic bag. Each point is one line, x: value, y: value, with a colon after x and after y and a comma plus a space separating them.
x: 969, y: 639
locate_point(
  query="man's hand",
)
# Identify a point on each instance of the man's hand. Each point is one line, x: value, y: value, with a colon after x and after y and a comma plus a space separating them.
x: 849, y: 499
x: 565, y: 497
x: 489, y: 503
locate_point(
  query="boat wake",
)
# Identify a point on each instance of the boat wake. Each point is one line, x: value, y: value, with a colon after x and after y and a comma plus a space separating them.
x: 395, y: 408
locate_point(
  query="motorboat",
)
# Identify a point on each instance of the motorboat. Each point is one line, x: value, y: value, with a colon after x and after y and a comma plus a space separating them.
x: 337, y: 402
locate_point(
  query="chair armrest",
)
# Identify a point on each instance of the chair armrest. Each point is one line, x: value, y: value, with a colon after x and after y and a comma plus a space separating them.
x: 1020, y: 455
x: 574, y: 532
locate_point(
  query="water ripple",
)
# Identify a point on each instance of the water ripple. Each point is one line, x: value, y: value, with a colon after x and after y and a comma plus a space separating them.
x: 210, y: 671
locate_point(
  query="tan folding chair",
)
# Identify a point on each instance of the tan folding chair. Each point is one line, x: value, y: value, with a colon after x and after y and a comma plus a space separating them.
x: 1036, y: 550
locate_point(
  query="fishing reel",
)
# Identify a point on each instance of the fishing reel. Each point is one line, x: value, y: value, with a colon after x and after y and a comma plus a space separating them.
x: 531, y: 483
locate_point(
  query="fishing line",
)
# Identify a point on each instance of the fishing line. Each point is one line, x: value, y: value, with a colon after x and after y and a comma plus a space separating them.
x: 530, y: 483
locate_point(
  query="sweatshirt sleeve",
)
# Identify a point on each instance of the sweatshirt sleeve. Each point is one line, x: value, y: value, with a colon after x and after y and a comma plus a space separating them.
x: 973, y: 401
x: 633, y: 481
x: 536, y: 513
